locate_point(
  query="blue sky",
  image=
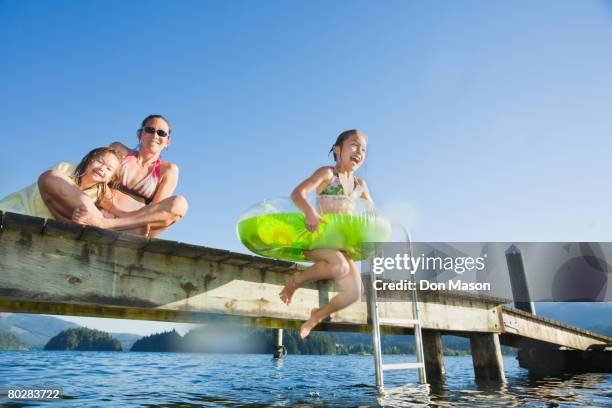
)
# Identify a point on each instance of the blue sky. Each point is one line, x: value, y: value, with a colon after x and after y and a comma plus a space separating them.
x: 487, y: 121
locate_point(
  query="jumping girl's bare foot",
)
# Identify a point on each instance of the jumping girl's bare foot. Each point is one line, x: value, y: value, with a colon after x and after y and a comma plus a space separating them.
x: 82, y: 216
x: 290, y: 287
x: 310, y: 324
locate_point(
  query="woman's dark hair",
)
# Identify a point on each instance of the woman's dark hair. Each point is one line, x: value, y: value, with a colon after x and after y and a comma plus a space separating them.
x: 144, y: 122
x: 89, y: 157
x: 342, y: 137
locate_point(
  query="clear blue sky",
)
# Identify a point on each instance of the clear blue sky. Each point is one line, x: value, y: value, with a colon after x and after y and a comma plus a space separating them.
x: 487, y: 121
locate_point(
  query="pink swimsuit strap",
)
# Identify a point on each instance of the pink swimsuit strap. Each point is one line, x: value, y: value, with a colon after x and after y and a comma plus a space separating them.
x: 156, y: 167
x: 146, y: 187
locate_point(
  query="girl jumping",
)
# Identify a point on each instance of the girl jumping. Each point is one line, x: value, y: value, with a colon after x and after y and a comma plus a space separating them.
x: 349, y: 154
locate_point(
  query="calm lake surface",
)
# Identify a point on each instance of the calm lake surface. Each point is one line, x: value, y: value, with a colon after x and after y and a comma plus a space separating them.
x: 102, y: 379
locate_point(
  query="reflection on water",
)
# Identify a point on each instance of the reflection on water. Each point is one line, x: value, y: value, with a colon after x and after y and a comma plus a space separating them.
x: 92, y: 379
x: 406, y: 396
x: 565, y: 390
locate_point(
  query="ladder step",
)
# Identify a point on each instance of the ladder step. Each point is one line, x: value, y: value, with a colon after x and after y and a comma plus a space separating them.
x: 402, y: 366
x: 398, y: 322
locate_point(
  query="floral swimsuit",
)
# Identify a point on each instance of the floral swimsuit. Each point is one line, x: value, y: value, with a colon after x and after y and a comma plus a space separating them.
x: 335, y: 188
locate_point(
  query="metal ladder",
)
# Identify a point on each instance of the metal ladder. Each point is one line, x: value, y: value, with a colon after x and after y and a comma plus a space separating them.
x: 416, y: 323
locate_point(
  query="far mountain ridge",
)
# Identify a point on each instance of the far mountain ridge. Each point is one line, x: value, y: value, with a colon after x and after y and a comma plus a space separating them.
x: 36, y: 330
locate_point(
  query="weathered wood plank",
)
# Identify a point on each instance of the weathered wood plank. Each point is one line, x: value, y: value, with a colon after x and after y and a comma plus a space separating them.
x: 518, y: 323
x: 212, y: 254
x: 188, y: 251
x: 280, y: 266
x: 99, y: 236
x: 22, y: 223
x: 136, y: 313
x: 267, y: 264
x: 133, y: 241
x: 442, y: 312
x: 161, y: 246
x: 68, y: 230
x: 236, y: 259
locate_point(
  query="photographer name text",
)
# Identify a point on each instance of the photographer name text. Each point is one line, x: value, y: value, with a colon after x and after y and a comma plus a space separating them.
x: 423, y: 284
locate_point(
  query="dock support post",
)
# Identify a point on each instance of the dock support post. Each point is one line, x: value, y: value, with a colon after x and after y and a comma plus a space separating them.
x: 518, y: 280
x: 434, y: 356
x: 487, y: 357
x: 279, y: 349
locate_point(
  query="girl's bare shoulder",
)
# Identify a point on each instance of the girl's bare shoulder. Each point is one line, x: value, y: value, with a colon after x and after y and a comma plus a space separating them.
x: 325, y: 172
x: 322, y: 177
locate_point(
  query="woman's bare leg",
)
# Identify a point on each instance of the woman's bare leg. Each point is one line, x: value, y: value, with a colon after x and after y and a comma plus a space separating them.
x: 157, y: 216
x: 350, y: 292
x: 137, y: 231
x: 63, y: 197
x: 329, y: 264
x: 178, y: 209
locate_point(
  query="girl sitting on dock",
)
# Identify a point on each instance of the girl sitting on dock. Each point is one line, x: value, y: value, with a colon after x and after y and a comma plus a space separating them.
x: 142, y: 200
x: 330, y: 184
x: 89, y: 179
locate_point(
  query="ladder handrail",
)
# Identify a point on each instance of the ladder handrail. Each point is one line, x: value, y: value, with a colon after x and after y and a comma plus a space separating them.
x: 376, y: 343
x: 418, y: 335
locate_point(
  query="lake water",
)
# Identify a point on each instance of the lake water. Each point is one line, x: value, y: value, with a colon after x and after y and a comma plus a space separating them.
x: 100, y: 379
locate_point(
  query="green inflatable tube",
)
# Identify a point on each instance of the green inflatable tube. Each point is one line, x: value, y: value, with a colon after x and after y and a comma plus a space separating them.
x: 276, y: 229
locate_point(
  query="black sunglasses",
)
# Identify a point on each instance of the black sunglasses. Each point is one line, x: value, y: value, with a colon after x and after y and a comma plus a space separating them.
x: 151, y: 130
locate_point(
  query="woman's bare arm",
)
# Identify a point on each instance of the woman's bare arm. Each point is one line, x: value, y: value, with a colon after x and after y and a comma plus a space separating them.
x: 169, y: 174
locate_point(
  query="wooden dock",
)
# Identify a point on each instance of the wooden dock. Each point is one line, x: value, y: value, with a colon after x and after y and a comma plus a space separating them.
x: 59, y: 268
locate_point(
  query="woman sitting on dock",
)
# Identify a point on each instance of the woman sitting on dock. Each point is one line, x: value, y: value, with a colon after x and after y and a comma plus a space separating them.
x: 142, y: 200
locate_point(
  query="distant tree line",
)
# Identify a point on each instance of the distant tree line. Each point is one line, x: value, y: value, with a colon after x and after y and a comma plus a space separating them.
x: 83, y: 339
x: 8, y: 341
x: 166, y: 341
x: 232, y: 339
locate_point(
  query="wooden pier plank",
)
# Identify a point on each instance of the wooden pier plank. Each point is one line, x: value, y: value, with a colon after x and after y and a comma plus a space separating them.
x: 188, y: 251
x: 99, y: 235
x: 67, y: 230
x: 162, y: 246
x: 524, y: 325
x: 22, y: 223
x: 133, y: 241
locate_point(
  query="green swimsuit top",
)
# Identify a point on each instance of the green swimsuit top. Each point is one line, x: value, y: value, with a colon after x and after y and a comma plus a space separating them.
x: 335, y: 188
